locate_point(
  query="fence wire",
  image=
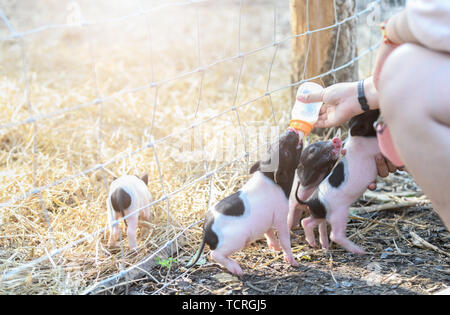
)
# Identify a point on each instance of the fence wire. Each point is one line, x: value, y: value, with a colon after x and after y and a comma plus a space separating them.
x: 154, y: 144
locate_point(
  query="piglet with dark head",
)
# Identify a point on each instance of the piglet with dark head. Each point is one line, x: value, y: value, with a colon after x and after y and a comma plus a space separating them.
x: 346, y: 183
x: 316, y: 162
x: 260, y: 206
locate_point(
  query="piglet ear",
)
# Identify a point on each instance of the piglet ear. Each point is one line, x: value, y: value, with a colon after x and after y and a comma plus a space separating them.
x: 255, y: 167
x: 145, y: 178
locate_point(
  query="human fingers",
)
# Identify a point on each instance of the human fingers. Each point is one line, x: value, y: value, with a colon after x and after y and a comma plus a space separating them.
x: 311, y: 97
x: 392, y: 168
x: 323, y: 123
x: 382, y: 167
x: 322, y: 120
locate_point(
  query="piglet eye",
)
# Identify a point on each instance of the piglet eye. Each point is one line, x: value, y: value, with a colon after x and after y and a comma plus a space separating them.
x: 312, y: 150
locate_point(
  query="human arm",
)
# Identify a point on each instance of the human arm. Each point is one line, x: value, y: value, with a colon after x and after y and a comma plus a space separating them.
x: 340, y: 102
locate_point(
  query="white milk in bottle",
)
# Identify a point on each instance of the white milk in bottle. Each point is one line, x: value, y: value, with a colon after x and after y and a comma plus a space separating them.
x: 305, y: 115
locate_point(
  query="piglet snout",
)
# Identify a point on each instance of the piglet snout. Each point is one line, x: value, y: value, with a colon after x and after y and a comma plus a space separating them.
x: 337, y: 142
x: 337, y: 145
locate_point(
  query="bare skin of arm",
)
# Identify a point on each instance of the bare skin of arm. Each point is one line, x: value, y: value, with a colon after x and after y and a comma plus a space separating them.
x: 398, y: 31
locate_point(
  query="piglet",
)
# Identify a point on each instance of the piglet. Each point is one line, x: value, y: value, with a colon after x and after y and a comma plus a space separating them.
x: 127, y: 194
x: 258, y: 208
x: 316, y: 162
x: 345, y: 184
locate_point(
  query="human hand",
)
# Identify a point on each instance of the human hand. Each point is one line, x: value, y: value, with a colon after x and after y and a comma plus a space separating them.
x: 384, y: 167
x: 340, y: 103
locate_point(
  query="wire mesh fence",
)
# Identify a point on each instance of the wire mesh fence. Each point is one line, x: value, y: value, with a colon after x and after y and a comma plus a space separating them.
x: 188, y: 91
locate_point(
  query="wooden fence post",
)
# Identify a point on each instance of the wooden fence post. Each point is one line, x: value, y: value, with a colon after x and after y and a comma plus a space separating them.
x: 322, y: 44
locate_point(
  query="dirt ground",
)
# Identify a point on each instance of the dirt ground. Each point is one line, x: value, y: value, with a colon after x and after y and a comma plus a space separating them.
x: 397, y: 262
x: 385, y: 270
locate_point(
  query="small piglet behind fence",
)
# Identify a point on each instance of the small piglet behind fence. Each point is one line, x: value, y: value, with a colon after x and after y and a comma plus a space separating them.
x: 127, y: 194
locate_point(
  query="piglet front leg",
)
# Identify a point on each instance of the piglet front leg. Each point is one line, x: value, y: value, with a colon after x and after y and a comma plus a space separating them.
x: 114, y: 236
x: 114, y: 230
x: 323, y: 235
x: 285, y: 239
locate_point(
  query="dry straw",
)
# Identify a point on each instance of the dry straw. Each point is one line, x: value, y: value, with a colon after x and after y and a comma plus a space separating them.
x: 124, y: 55
x: 59, y: 76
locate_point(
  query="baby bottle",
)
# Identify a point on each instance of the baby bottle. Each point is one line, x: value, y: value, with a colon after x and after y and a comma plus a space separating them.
x: 305, y: 115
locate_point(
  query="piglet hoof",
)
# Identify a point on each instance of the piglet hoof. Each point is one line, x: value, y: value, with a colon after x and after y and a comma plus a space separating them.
x: 237, y: 271
x: 325, y: 247
x: 291, y: 261
x: 358, y: 251
x: 313, y: 244
x: 274, y: 246
x: 355, y: 249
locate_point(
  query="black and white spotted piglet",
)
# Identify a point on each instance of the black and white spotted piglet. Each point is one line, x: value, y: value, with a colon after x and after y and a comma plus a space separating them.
x: 346, y: 183
x: 258, y: 208
x: 316, y: 162
x: 127, y: 194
